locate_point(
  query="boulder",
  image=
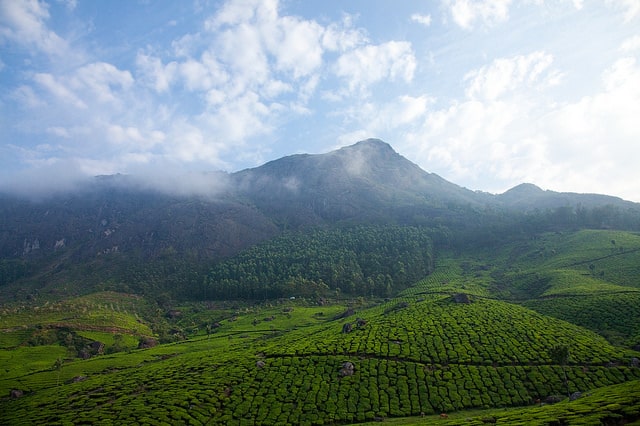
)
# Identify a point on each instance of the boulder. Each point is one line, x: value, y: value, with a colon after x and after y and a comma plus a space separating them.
x: 96, y: 348
x: 77, y: 379
x: 461, y: 298
x: 347, y: 369
x: 553, y: 399
x: 147, y: 342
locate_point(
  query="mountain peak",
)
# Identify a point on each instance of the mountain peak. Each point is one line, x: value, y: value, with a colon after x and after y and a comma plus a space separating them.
x: 373, y: 142
x: 525, y: 189
x: 370, y: 145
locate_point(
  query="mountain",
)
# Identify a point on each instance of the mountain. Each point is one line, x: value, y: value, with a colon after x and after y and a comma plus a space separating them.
x: 116, y: 228
x: 367, y: 181
x: 527, y: 196
x: 339, y: 288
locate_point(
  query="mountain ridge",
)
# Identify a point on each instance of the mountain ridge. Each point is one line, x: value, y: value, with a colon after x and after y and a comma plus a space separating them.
x: 118, y: 220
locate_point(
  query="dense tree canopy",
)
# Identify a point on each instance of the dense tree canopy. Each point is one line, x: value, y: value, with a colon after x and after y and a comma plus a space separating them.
x: 370, y: 260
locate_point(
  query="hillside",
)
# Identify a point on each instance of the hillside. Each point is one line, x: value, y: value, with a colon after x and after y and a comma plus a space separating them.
x: 338, y: 288
x: 116, y: 234
x: 364, y: 182
x: 317, y: 361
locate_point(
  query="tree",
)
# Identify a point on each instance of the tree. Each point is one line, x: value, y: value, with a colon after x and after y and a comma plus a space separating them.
x: 58, y: 367
x: 560, y: 355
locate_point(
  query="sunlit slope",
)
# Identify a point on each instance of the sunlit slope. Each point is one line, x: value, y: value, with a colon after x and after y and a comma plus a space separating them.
x: 437, y: 330
x: 594, y: 408
x: 107, y: 311
x: 412, y: 356
x: 590, y: 278
x: 589, y: 261
x: 33, y: 338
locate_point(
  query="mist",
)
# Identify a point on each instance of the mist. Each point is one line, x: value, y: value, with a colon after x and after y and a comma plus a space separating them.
x: 43, y: 183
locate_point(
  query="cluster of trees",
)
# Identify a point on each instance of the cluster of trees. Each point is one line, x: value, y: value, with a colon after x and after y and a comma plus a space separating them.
x: 364, y: 261
x: 12, y: 270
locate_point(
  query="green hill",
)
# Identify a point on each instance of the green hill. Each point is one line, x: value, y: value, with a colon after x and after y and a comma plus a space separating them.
x: 409, y: 356
x: 338, y: 288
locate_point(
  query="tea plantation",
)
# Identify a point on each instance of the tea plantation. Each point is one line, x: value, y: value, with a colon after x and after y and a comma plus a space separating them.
x: 474, y: 342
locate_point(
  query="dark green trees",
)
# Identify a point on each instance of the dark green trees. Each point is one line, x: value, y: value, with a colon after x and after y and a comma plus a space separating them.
x: 362, y: 261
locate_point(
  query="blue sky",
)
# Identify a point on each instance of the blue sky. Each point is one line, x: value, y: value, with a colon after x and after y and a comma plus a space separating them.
x: 487, y: 93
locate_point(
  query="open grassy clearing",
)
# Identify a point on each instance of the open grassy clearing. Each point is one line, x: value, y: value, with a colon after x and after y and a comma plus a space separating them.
x: 100, y: 311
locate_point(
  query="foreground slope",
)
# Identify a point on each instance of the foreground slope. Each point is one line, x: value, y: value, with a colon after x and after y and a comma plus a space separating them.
x: 405, y: 357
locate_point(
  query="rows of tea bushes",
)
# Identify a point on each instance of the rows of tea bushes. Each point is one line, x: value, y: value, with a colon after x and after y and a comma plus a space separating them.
x: 453, y: 276
x: 615, y: 404
x: 232, y: 388
x: 447, y: 344
x: 608, y: 256
x: 615, y: 316
x: 437, y: 330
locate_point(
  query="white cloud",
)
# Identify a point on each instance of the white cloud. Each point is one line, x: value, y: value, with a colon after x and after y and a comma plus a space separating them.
x: 631, y: 8
x: 370, y: 64
x: 133, y: 137
x: 377, y: 118
x: 504, y: 133
x: 298, y: 47
x: 69, y: 4
x: 631, y: 44
x: 91, y: 84
x: 103, y: 81
x: 505, y: 74
x: 199, y: 75
x: 466, y: 13
x: 421, y: 19
x: 154, y: 73
x: 23, y: 22
x: 578, y: 4
x: 59, y: 90
x: 188, y: 143
x: 343, y: 36
x: 27, y: 97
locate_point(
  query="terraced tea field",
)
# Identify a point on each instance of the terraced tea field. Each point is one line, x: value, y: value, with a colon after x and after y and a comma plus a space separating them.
x: 427, y: 356
x: 477, y: 334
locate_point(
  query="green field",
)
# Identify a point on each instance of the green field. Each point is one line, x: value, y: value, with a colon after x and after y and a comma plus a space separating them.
x: 483, y: 357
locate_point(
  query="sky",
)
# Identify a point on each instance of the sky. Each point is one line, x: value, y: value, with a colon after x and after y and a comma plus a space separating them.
x: 487, y: 94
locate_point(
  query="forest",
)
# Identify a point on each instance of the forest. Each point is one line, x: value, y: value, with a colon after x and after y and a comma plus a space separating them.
x: 360, y: 261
